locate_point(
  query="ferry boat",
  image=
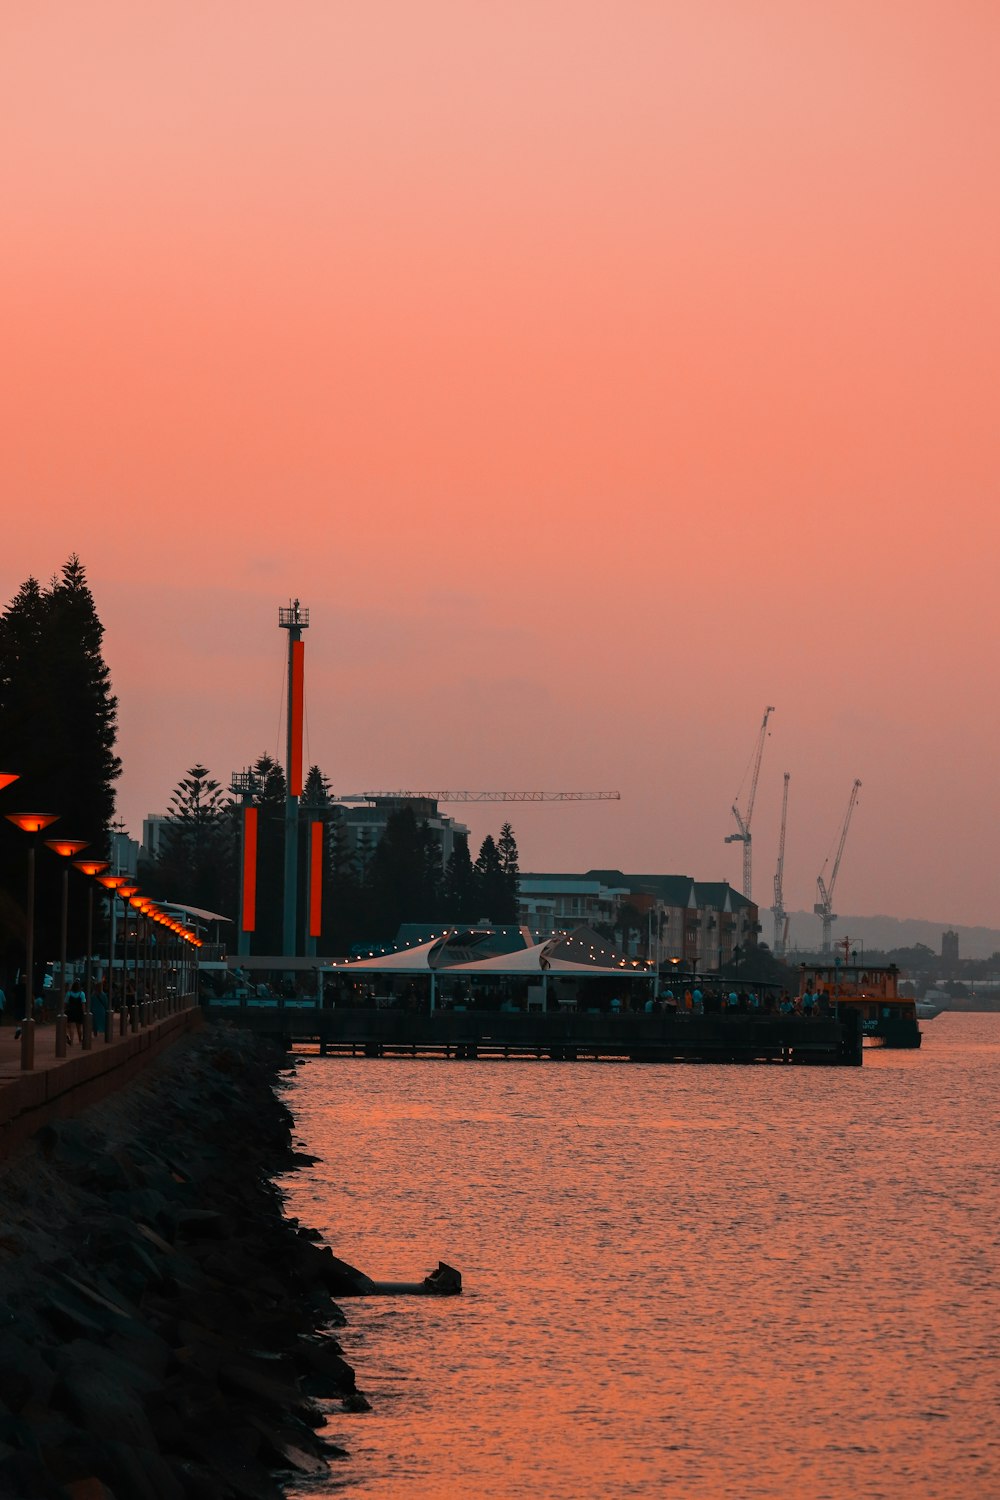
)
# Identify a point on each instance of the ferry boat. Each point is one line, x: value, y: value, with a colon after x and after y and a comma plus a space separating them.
x: 888, y: 1019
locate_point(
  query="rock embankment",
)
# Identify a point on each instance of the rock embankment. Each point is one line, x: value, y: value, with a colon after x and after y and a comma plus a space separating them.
x: 164, y: 1330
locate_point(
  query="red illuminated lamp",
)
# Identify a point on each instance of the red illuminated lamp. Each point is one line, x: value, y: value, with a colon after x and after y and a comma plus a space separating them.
x: 90, y: 866
x: 127, y: 890
x: 31, y: 822
x: 6, y: 777
x: 66, y: 847
x: 112, y: 883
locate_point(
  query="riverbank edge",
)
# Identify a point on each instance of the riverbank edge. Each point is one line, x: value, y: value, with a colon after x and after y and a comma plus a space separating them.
x: 164, y: 1328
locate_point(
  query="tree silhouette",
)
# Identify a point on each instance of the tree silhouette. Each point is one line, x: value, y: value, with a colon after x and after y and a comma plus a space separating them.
x: 492, y: 888
x: 269, y: 937
x: 507, y: 852
x: 459, y: 898
x: 58, y: 726
x: 195, y: 864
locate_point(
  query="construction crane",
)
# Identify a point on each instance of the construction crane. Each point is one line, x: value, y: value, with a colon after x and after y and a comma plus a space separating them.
x: 778, y: 909
x: 743, y: 819
x: 824, y: 906
x: 482, y: 797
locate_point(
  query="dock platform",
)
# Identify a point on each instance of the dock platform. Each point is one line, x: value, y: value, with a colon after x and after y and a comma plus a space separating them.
x: 556, y: 1037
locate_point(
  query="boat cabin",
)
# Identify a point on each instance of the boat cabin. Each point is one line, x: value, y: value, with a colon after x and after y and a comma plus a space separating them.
x: 887, y: 1017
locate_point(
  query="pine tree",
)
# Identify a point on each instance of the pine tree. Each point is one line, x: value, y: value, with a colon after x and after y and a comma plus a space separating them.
x: 196, y: 855
x: 89, y: 765
x: 58, y: 725
x: 343, y: 914
x: 491, y: 884
x: 459, y: 891
x: 269, y: 936
x: 396, y: 880
x: 315, y: 793
x: 507, y: 852
x: 431, y: 873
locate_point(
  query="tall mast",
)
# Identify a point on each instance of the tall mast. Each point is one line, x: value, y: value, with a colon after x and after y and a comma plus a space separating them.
x: 294, y: 619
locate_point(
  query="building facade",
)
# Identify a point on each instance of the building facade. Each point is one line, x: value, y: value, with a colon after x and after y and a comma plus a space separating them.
x: 670, y: 918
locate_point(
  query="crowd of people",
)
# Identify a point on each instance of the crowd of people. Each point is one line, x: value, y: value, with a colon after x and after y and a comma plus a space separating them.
x: 46, y: 1005
x: 721, y: 1000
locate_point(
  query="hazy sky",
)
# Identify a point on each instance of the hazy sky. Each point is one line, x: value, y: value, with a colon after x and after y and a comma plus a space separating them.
x: 596, y: 373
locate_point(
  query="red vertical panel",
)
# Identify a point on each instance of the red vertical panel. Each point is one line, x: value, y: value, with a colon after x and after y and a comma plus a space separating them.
x: 295, y: 708
x: 315, y: 879
x: 248, y: 917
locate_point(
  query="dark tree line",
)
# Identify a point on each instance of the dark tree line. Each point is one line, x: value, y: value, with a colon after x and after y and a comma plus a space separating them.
x: 58, y: 727
x: 368, y: 891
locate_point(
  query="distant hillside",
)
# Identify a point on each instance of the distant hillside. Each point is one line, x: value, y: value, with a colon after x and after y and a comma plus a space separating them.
x: 805, y: 931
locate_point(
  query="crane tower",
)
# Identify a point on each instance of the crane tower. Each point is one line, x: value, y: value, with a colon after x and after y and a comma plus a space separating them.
x: 824, y: 906
x: 348, y: 799
x: 778, y: 909
x: 743, y: 819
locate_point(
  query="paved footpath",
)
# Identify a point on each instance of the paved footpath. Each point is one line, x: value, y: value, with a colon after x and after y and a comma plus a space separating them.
x: 59, y: 1086
x: 45, y: 1050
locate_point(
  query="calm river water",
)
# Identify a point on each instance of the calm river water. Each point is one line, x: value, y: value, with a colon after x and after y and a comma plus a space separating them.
x: 694, y: 1280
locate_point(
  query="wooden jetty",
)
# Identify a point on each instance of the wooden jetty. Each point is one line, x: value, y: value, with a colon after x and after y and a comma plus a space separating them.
x: 557, y: 1036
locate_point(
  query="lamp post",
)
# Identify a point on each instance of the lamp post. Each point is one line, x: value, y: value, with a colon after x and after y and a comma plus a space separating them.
x: 141, y: 905
x: 111, y: 884
x: 89, y: 867
x: 126, y: 892
x: 32, y: 824
x: 162, y: 957
x: 65, y: 848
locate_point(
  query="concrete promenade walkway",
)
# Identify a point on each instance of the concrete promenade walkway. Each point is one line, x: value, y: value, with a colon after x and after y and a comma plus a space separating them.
x: 60, y: 1086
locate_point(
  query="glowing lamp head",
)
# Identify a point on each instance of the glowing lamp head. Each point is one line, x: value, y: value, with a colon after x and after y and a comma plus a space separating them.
x: 6, y: 777
x: 111, y: 882
x: 90, y: 866
x: 31, y: 822
x: 66, y: 847
x: 127, y: 890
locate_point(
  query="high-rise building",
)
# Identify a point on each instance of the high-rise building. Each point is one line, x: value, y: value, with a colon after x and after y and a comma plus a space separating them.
x: 949, y: 955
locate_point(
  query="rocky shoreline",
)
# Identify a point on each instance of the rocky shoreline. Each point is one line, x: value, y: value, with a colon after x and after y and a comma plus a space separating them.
x: 164, y: 1329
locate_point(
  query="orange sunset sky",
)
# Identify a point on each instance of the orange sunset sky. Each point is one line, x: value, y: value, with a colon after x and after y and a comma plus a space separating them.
x: 596, y: 373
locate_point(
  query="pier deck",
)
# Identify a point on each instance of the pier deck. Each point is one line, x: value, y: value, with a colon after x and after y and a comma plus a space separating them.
x: 560, y: 1036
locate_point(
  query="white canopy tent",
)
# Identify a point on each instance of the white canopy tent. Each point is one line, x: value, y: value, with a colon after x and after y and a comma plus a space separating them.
x: 535, y: 960
x: 416, y: 960
x: 519, y: 964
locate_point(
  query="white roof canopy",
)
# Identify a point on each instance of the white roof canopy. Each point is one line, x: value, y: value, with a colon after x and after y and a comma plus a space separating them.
x: 421, y: 959
x: 411, y: 961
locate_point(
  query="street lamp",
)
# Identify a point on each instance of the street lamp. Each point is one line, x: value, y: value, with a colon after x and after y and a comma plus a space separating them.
x: 89, y: 867
x: 32, y: 824
x: 142, y: 907
x: 111, y: 884
x: 126, y: 892
x: 65, y: 848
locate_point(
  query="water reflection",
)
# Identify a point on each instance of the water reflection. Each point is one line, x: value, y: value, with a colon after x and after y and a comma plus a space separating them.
x: 721, y: 1281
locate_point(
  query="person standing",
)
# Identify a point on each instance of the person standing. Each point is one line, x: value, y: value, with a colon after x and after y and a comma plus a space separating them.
x: 99, y: 1008
x: 76, y: 1000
